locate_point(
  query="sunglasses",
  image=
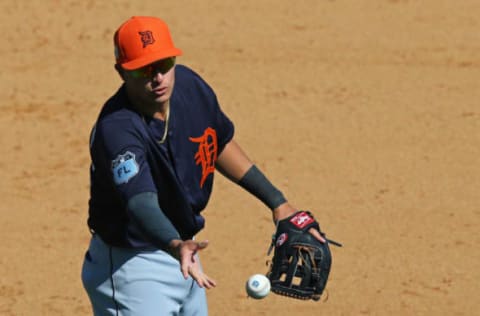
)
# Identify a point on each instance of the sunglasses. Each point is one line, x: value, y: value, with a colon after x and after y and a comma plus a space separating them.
x: 162, y: 66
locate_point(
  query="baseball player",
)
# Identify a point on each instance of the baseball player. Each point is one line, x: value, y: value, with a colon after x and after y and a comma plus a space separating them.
x: 154, y: 149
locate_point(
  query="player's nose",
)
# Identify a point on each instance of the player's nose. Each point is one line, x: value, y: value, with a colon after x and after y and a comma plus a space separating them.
x: 158, y: 76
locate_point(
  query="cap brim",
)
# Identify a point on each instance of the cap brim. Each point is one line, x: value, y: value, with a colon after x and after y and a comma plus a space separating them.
x: 150, y: 58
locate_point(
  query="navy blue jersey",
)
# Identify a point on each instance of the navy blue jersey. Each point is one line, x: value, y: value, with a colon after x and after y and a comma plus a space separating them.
x: 127, y: 159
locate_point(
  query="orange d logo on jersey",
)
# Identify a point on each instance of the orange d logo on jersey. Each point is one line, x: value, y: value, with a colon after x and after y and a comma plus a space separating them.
x: 206, y: 156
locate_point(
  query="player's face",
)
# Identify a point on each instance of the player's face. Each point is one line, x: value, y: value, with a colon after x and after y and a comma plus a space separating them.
x: 152, y: 84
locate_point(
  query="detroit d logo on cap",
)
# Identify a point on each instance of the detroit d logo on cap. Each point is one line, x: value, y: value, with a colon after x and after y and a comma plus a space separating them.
x: 147, y: 38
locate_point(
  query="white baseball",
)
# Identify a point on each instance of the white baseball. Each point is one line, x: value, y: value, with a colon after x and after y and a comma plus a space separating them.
x: 258, y: 286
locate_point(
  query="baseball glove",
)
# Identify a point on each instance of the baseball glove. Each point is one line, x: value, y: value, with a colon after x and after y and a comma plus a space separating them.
x: 301, y: 263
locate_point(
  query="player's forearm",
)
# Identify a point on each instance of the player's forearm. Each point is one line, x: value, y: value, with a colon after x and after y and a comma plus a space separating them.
x: 233, y: 163
x: 255, y: 182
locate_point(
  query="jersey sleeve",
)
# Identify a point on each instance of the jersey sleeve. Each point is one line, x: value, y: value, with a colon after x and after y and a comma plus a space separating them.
x: 122, y: 154
x: 223, y: 125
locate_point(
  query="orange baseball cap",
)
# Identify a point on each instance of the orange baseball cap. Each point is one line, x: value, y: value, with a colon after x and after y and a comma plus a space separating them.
x: 142, y: 40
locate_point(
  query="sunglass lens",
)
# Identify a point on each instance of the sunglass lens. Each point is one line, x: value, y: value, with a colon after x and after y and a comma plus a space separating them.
x: 162, y: 66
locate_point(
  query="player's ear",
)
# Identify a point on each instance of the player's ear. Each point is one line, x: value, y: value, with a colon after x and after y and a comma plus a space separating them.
x: 120, y: 71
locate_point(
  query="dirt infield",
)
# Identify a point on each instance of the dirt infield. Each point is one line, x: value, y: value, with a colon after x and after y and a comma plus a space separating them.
x: 365, y: 112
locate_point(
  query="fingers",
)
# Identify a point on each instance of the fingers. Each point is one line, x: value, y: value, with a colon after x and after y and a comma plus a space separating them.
x: 194, y: 246
x: 185, y: 267
x: 207, y: 283
x: 202, y: 244
x: 203, y: 280
x: 189, y: 249
x: 189, y: 265
x: 317, y: 234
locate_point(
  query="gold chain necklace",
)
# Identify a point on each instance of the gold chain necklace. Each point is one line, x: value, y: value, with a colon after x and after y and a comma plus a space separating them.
x: 165, y: 130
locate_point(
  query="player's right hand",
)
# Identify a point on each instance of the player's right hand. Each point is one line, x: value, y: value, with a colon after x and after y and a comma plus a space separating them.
x: 186, y: 252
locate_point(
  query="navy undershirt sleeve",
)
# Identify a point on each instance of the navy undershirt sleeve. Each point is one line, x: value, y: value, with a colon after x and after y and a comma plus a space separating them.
x: 146, y: 213
x: 255, y: 182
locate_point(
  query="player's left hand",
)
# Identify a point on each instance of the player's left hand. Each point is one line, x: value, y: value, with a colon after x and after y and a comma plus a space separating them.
x: 285, y: 210
x: 186, y: 252
x: 301, y: 262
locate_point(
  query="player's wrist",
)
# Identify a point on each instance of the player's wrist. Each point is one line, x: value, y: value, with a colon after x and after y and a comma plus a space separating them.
x: 174, y: 243
x: 255, y: 182
x: 283, y: 211
x: 174, y: 248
